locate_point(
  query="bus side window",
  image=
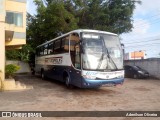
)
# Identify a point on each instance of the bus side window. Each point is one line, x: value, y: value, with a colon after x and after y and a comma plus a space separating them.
x: 50, y: 48
x: 53, y: 47
x: 41, y: 51
x: 45, y: 49
x: 57, y: 46
x: 74, y: 50
x: 65, y: 44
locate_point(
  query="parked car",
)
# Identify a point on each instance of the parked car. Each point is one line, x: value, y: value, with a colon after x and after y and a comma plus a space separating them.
x: 135, y: 72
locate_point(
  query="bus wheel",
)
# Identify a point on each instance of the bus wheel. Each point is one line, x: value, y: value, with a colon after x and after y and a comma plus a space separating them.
x: 33, y: 71
x: 67, y: 82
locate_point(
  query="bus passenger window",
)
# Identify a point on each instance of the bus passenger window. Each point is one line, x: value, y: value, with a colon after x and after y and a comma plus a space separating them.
x: 50, y: 48
x: 41, y: 51
x: 57, y: 46
x: 65, y: 44
x: 45, y: 49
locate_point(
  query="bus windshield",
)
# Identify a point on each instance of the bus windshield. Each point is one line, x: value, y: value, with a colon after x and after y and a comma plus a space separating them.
x: 101, y: 52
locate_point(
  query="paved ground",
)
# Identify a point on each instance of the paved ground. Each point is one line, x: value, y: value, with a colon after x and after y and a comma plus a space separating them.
x: 48, y: 95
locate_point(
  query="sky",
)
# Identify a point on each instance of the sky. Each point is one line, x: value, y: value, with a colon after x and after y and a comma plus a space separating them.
x: 145, y: 35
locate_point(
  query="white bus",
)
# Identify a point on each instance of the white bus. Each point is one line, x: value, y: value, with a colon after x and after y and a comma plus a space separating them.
x: 82, y: 58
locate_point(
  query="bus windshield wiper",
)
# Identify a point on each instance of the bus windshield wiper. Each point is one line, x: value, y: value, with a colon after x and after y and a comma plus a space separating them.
x: 108, y: 55
x: 110, y: 58
x: 100, y: 62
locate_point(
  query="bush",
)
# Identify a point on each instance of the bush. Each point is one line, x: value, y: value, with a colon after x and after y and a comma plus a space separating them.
x: 10, y: 69
x: 21, y: 54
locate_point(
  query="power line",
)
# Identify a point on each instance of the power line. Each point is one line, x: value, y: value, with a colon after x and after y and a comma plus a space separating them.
x: 150, y: 17
x: 155, y: 21
x: 142, y: 45
x: 143, y: 38
x: 144, y: 25
x: 143, y: 41
x: 134, y: 35
x: 145, y: 22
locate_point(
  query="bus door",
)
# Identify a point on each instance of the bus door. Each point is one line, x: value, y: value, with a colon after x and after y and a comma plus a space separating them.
x: 76, y: 60
x: 76, y: 73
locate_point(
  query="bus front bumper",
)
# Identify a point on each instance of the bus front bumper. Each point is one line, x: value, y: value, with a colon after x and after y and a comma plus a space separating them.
x: 90, y: 83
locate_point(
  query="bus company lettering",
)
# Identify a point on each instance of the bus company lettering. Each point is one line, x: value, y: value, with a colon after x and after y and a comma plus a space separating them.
x: 90, y: 74
x: 54, y: 60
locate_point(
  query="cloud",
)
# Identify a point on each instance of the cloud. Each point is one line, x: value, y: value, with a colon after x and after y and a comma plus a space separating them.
x: 146, y: 16
x: 140, y: 29
x: 147, y: 7
x: 141, y: 26
x: 31, y: 7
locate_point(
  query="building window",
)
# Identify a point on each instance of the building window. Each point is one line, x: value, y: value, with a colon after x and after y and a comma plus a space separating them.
x: 14, y: 18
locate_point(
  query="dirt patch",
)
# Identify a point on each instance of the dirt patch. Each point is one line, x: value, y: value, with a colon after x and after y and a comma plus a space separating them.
x: 50, y: 95
x: 142, y: 89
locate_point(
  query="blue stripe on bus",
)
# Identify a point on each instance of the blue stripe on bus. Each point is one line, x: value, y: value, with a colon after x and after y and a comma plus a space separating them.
x: 56, y: 72
x: 89, y: 83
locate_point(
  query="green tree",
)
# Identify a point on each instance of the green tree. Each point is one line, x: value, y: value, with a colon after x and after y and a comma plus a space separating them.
x: 20, y: 54
x: 108, y: 15
x: 61, y: 16
x: 50, y: 21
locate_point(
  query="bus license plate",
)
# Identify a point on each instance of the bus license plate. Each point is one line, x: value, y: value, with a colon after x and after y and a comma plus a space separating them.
x: 108, y: 85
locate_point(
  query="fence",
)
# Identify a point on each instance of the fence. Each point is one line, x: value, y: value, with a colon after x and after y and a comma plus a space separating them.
x: 151, y: 65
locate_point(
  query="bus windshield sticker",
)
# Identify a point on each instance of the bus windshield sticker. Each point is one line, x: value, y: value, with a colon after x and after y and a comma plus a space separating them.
x: 117, y: 54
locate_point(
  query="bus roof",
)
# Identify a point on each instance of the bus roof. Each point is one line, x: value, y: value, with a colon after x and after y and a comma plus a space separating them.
x: 78, y: 31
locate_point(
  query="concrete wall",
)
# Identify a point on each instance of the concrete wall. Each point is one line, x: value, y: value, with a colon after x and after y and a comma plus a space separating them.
x: 151, y: 65
x: 24, y: 66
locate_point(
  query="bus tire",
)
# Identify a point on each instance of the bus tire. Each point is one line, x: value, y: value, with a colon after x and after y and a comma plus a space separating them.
x: 67, y: 82
x: 33, y: 72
